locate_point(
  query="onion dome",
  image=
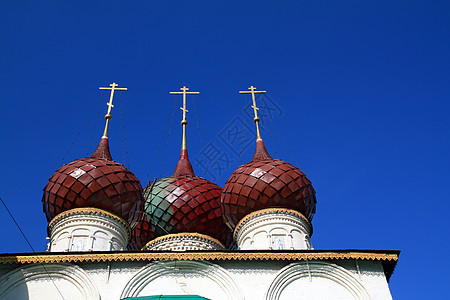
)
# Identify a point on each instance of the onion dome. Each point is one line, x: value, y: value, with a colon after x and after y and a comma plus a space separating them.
x: 96, y: 181
x: 185, y: 202
x: 265, y: 182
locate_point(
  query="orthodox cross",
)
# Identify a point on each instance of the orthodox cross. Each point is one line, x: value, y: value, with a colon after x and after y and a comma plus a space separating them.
x: 113, y: 87
x: 184, y: 91
x: 256, y: 119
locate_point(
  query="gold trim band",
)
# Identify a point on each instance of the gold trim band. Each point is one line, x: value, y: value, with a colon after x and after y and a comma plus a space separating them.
x: 89, y: 211
x: 197, y: 255
x: 183, y: 234
x: 266, y: 211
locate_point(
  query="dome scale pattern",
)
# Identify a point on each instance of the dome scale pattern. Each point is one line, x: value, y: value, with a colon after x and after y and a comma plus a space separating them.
x: 97, y: 182
x: 264, y: 183
x: 184, y: 202
x: 141, y: 234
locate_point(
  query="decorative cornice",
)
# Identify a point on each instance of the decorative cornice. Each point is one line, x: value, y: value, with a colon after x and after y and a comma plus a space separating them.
x: 267, y: 211
x: 89, y: 211
x: 74, y: 257
x: 174, y: 236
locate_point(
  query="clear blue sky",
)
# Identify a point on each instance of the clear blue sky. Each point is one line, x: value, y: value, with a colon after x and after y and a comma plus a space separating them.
x: 360, y: 94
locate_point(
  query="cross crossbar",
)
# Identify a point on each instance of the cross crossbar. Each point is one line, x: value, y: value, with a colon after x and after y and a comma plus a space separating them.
x: 113, y: 87
x: 256, y: 119
x: 184, y: 92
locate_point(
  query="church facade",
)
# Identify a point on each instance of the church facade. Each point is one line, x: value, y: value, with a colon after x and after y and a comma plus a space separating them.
x: 184, y: 237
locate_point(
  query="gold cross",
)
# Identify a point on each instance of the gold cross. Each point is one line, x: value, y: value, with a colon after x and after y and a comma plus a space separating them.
x: 253, y: 91
x: 184, y: 91
x: 113, y: 87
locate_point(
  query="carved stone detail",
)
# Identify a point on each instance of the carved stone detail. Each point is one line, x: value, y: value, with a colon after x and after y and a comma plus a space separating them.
x: 185, y: 241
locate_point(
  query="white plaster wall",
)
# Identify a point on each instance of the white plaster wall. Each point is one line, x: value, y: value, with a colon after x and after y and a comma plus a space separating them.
x: 254, y: 280
x: 184, y: 278
x: 111, y: 277
x: 316, y: 288
x: 370, y: 274
x: 48, y: 281
x: 215, y: 280
x: 43, y: 289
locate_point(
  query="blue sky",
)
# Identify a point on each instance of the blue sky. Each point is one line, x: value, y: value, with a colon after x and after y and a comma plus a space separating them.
x: 358, y: 91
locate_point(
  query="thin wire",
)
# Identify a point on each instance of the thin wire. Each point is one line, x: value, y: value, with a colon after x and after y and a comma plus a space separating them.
x: 168, y: 138
x: 160, y: 226
x: 15, y: 222
x: 29, y: 244
x: 279, y: 136
x: 162, y: 138
x: 152, y: 207
x: 199, y: 131
x: 95, y: 125
x: 126, y: 161
x: 73, y: 143
x: 269, y: 130
x: 241, y: 148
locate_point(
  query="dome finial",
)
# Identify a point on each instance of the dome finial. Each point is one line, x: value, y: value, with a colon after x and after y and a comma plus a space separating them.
x: 256, y: 119
x: 184, y: 91
x: 184, y: 167
x: 113, y: 87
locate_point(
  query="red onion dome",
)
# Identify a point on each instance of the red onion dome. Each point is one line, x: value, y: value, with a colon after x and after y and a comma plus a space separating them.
x: 96, y: 181
x: 265, y: 182
x: 184, y: 202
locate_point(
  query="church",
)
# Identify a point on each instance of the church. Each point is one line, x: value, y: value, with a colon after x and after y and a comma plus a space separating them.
x: 184, y: 237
